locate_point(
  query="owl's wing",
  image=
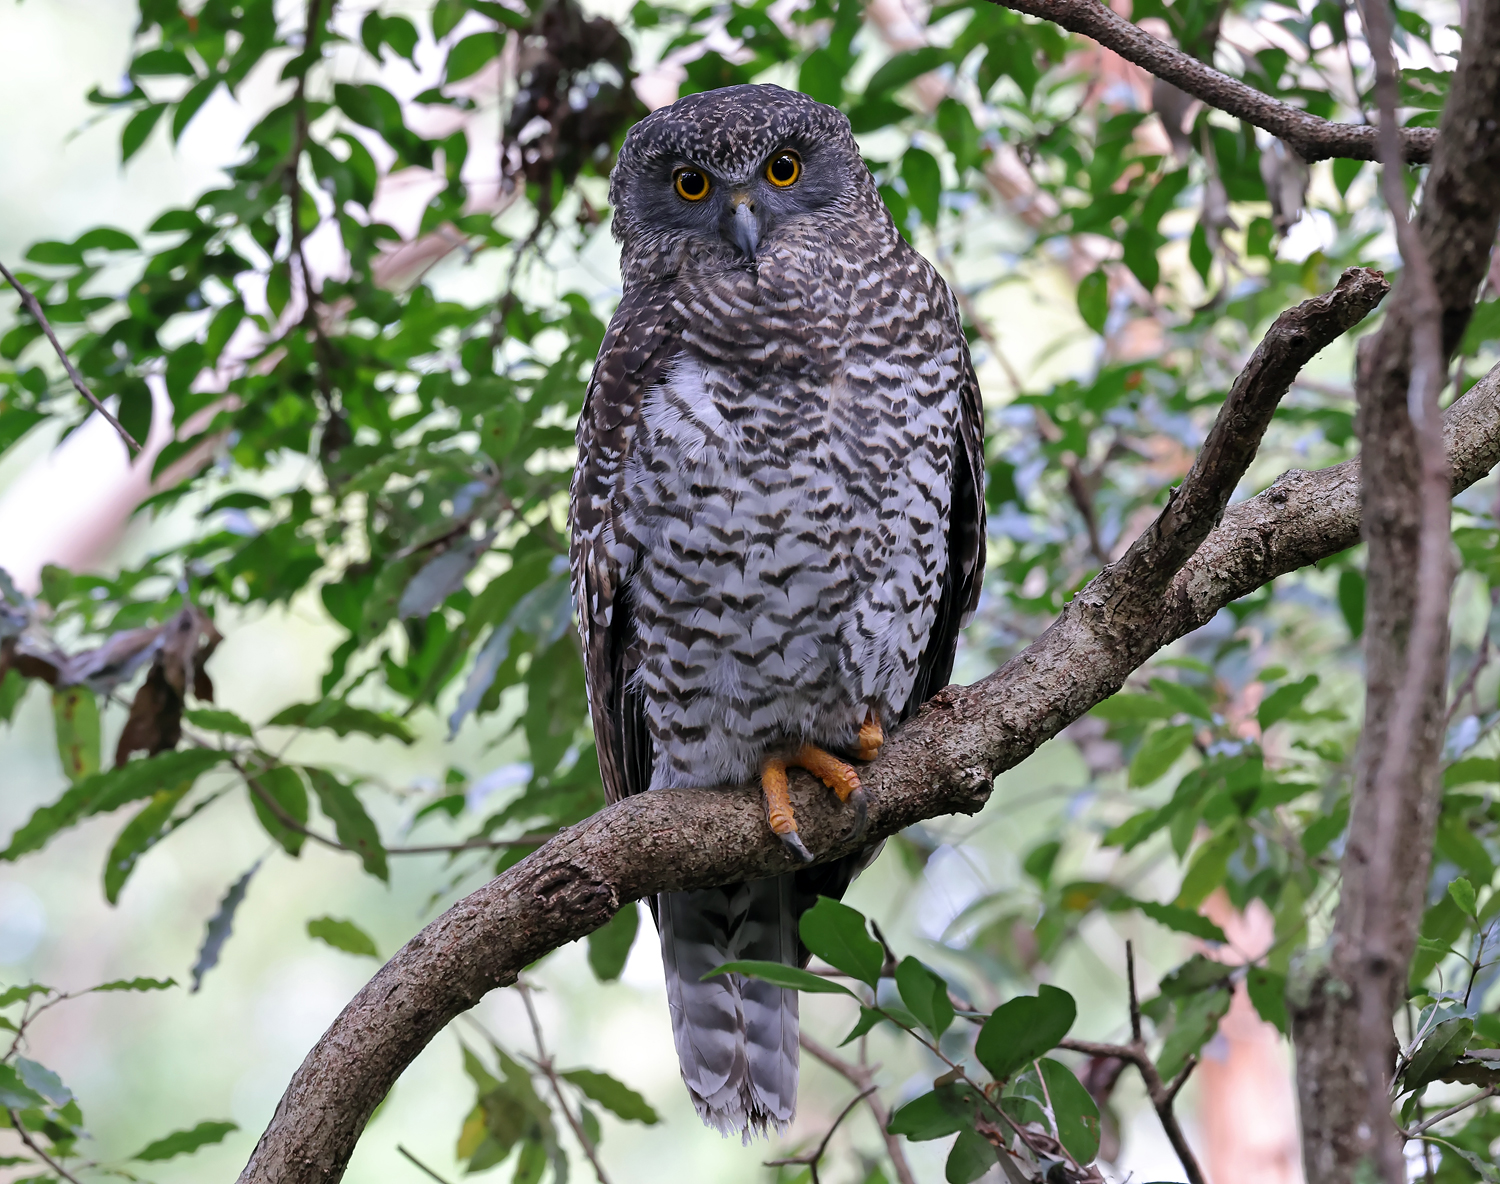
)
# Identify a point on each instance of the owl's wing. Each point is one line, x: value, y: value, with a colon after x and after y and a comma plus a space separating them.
x: 966, y: 539
x: 638, y: 346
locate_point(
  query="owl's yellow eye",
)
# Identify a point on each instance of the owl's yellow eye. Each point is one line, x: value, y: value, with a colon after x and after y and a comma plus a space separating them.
x: 691, y: 185
x: 784, y: 169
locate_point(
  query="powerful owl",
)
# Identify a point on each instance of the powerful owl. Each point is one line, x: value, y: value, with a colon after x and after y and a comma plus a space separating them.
x: 777, y: 522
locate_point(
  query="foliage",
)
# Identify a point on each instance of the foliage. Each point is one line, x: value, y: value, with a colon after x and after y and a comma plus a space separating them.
x: 373, y: 444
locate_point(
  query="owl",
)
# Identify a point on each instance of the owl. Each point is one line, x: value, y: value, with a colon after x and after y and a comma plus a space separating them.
x: 777, y: 523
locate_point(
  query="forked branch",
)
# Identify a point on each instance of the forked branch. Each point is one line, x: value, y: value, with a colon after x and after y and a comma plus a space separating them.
x: 1313, y: 138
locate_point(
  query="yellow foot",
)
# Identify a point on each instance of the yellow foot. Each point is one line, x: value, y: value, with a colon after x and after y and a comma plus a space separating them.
x: 834, y: 773
x: 779, y: 807
x: 871, y: 737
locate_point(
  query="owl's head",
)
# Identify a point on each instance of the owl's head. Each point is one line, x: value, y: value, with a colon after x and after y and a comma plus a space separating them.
x: 717, y: 179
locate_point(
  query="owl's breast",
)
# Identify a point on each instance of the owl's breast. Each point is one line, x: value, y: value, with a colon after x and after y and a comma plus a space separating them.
x: 787, y: 530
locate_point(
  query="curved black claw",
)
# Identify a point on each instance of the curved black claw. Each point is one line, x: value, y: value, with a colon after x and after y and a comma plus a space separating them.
x: 860, y: 800
x: 796, y: 846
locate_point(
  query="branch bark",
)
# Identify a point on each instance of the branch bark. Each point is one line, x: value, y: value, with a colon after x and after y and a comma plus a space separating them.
x: 1342, y: 1005
x: 943, y: 762
x: 1313, y: 138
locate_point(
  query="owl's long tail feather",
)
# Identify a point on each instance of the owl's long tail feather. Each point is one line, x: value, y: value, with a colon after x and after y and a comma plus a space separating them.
x: 736, y: 1038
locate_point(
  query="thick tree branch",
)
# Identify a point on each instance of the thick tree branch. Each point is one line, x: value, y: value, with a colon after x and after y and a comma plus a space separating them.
x: 1342, y: 1008
x: 943, y: 762
x: 1313, y: 138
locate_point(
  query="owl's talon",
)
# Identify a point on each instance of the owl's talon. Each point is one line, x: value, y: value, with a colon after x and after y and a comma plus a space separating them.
x: 871, y: 738
x: 832, y: 772
x: 793, y: 843
x: 860, y: 800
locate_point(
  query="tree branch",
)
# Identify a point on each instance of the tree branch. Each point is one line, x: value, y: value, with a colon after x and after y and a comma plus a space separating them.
x: 942, y: 762
x: 1162, y: 1094
x: 34, y: 307
x: 1341, y: 1008
x: 861, y: 1076
x: 1313, y: 138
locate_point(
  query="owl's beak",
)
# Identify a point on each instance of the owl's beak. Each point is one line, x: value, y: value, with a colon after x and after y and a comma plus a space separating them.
x: 744, y: 228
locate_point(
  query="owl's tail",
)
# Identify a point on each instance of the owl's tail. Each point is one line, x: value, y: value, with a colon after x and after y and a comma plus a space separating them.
x: 736, y: 1037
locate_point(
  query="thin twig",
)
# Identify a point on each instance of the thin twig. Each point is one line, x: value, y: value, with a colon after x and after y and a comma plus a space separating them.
x: 1489, y: 1091
x: 811, y: 1160
x: 15, y: 1122
x: 860, y: 1076
x: 1162, y: 1095
x: 420, y: 1165
x: 544, y: 1063
x: 35, y: 309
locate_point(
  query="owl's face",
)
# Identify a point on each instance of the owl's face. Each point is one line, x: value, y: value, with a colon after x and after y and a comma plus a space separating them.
x: 717, y: 180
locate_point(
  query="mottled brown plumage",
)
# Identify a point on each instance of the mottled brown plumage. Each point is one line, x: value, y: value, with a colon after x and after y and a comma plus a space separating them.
x: 778, y: 523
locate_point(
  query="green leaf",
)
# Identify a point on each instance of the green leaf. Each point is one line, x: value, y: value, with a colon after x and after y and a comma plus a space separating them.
x: 781, y: 975
x: 1438, y: 1051
x: 970, y: 1157
x: 1159, y: 752
x: 75, y: 716
x: 343, y: 935
x: 1462, y: 893
x: 138, y: 128
x: 353, y: 826
x: 109, y: 790
x: 821, y: 78
x: 473, y: 53
x: 220, y: 925
x: 1344, y: 172
x: 283, y: 785
x: 925, y: 1118
x: 613, y: 1095
x: 904, y: 68
x: 1200, y: 254
x: 1284, y: 700
x: 213, y: 720
x: 137, y: 984
x: 1140, y: 254
x: 20, y: 994
x: 1130, y: 708
x: 1352, y: 601
x: 836, y: 933
x: 185, y: 1142
x: 868, y: 1018
x: 149, y: 826
x: 1467, y: 772
x: 161, y: 63
x: 1021, y: 1030
x: 1182, y: 920
x: 15, y: 1094
x: 105, y: 238
x: 1076, y: 1113
x: 1207, y: 869
x: 924, y: 183
x: 1183, y: 697
x: 1268, y: 995
x: 609, y: 945
x: 44, y: 1081
x: 342, y: 719
x: 925, y: 995
x: 1093, y: 300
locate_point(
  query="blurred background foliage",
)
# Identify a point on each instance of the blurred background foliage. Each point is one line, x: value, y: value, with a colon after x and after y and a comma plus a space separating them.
x: 334, y: 642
